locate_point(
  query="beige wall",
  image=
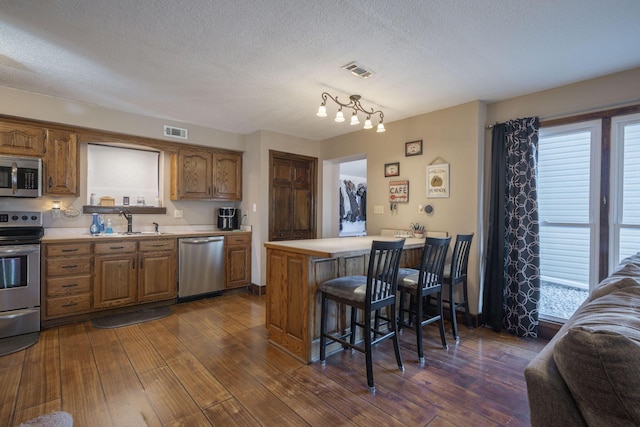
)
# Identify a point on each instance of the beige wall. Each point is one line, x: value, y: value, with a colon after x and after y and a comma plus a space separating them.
x: 455, y: 135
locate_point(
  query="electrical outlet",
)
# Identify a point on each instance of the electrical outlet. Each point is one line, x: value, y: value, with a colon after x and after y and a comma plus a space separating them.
x: 178, y: 213
x: 255, y: 209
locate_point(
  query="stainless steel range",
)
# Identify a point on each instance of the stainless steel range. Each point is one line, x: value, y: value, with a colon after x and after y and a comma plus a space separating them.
x: 20, y: 235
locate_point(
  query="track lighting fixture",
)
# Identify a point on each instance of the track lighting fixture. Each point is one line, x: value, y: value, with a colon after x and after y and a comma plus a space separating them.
x: 354, y: 104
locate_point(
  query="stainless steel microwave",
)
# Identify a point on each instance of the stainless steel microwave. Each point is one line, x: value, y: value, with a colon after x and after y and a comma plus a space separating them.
x: 20, y: 177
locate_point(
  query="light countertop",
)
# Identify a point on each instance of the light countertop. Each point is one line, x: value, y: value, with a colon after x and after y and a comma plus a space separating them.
x: 337, y: 246
x: 75, y: 234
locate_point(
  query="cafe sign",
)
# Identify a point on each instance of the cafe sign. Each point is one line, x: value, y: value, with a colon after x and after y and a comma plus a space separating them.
x: 399, y: 191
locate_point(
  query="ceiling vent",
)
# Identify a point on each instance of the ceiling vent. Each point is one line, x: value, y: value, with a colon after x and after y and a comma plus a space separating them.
x: 358, y: 70
x: 175, y: 132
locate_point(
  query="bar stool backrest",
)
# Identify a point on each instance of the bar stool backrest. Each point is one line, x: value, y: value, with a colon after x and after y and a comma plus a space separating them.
x: 432, y: 265
x: 382, y: 275
x: 460, y: 258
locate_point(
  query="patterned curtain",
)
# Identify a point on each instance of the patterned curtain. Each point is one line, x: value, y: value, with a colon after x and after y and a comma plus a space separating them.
x: 512, y: 276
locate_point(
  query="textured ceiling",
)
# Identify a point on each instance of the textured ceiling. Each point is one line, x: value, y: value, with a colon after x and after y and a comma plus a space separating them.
x: 243, y: 66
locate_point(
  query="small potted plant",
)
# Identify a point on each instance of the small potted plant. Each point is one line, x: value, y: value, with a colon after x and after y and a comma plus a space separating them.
x: 418, y: 230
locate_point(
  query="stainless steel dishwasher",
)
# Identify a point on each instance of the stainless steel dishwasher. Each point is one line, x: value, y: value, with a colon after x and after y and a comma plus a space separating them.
x: 200, y: 267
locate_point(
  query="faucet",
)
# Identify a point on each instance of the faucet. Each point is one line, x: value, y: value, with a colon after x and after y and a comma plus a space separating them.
x: 155, y: 226
x: 129, y: 218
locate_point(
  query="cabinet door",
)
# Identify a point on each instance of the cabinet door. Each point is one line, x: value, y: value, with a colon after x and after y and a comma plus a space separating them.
x: 157, y: 276
x: 114, y: 281
x: 227, y: 175
x: 61, y: 163
x: 303, y: 212
x: 21, y: 139
x: 192, y: 175
x: 281, y: 199
x: 238, y: 266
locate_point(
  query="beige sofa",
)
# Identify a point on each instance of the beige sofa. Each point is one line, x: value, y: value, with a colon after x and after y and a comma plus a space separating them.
x: 589, y: 373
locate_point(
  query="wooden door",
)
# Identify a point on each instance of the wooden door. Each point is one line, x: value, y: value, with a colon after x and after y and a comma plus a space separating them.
x: 292, y: 210
x: 114, y: 281
x: 61, y: 163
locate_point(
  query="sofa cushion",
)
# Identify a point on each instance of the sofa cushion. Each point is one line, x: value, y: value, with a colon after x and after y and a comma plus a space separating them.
x: 598, y: 357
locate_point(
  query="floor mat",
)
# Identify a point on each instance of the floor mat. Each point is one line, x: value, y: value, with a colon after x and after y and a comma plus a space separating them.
x: 124, y: 319
x: 17, y: 343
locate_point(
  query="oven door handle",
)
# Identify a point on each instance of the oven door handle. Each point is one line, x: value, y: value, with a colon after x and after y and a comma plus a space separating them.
x: 14, y: 177
x: 18, y: 250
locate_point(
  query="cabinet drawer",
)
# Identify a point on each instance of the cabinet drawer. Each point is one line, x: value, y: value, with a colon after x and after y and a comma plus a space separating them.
x: 115, y: 247
x: 70, y: 249
x: 66, y: 306
x: 157, y: 245
x: 242, y: 239
x: 68, y: 266
x: 66, y: 286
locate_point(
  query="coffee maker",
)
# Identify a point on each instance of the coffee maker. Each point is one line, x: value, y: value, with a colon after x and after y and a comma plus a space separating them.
x: 228, y: 218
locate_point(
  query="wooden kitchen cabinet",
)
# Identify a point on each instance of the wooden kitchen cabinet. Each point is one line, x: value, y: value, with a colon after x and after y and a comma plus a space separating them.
x: 21, y: 140
x: 227, y: 175
x: 201, y: 174
x: 115, y: 278
x: 237, y: 250
x: 157, y: 271
x: 66, y: 280
x: 191, y: 174
x: 61, y: 163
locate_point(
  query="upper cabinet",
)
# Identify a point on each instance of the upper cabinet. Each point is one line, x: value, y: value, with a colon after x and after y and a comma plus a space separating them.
x: 22, y: 140
x: 191, y: 175
x: 61, y: 163
x: 227, y: 175
x: 201, y: 174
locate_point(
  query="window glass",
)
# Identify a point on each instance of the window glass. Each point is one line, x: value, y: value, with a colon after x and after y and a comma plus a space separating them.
x: 119, y: 172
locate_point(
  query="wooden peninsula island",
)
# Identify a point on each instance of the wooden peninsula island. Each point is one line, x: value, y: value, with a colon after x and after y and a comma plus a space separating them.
x: 295, y: 270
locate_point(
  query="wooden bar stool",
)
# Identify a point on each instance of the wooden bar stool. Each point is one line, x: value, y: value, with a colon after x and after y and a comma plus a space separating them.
x: 369, y: 294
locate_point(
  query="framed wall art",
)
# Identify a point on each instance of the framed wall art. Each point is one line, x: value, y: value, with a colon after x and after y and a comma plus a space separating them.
x: 413, y: 148
x: 438, y: 180
x: 392, y: 169
x: 399, y: 191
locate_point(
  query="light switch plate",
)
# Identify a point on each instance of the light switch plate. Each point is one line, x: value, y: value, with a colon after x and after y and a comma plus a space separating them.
x: 378, y: 209
x: 178, y: 213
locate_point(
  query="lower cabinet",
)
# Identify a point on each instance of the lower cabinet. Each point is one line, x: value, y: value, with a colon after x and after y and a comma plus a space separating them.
x: 115, y: 274
x: 80, y: 278
x: 237, y: 249
x: 66, y: 289
x: 157, y: 270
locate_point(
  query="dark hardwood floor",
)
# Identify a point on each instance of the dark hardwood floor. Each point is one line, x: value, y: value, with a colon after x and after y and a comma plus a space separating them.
x: 209, y: 363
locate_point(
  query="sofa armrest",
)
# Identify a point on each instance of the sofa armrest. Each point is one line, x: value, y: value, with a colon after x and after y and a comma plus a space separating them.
x: 550, y: 401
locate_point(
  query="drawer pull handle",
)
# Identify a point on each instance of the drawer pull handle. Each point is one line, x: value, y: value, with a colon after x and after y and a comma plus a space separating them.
x: 70, y: 250
x: 116, y: 247
x: 71, y: 285
x: 70, y: 305
x: 70, y: 266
